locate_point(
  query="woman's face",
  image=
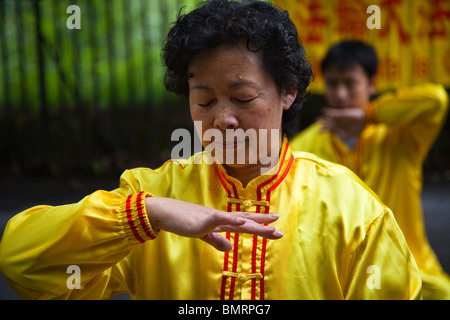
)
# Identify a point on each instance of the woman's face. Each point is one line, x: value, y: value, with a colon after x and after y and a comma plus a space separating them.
x: 228, y: 89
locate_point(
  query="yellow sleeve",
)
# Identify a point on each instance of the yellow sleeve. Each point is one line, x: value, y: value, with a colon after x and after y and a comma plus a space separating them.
x: 418, y: 111
x: 95, y: 234
x: 382, y: 266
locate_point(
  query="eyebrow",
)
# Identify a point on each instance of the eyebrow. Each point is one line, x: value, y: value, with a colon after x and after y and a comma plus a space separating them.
x: 234, y: 85
x: 200, y: 87
x: 241, y: 83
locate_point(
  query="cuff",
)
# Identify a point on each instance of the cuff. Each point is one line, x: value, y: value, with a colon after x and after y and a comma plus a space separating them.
x: 135, y: 220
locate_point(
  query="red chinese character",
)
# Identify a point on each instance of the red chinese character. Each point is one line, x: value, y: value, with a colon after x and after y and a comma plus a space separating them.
x: 316, y: 22
x: 438, y: 18
x: 389, y: 68
x: 421, y: 67
x: 388, y: 8
x: 351, y: 18
x: 433, y: 18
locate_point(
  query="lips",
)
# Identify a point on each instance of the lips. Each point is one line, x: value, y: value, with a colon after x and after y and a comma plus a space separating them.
x: 231, y: 145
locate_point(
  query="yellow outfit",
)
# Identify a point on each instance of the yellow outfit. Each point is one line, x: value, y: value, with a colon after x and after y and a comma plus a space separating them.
x: 340, y: 242
x: 388, y: 157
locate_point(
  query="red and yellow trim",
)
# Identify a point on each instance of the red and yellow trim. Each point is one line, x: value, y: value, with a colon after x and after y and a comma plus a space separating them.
x: 271, y: 183
x: 259, y: 244
x: 225, y: 183
x: 136, y: 216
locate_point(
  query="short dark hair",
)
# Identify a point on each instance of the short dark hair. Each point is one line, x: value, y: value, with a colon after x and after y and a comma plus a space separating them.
x: 266, y: 30
x: 348, y: 53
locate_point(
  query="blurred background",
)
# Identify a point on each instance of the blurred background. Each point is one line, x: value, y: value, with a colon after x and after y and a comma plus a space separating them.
x: 79, y: 106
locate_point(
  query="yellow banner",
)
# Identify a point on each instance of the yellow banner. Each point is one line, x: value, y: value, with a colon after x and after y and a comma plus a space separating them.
x: 412, y: 39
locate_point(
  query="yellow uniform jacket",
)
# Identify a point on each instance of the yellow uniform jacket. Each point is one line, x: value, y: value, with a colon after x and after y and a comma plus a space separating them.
x: 339, y: 241
x: 388, y: 157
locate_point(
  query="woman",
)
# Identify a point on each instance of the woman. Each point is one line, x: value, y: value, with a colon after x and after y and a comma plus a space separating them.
x: 242, y: 67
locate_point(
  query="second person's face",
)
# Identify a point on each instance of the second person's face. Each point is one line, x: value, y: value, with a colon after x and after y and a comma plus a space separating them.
x: 349, y: 87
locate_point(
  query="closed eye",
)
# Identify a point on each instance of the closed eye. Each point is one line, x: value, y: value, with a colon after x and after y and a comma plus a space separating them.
x: 246, y: 100
x: 204, y: 105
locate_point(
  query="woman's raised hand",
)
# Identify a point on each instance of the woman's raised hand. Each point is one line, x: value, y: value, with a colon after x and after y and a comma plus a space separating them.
x: 196, y: 221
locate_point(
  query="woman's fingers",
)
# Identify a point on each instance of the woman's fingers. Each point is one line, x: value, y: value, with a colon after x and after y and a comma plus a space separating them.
x: 258, y: 217
x: 250, y: 225
x: 239, y: 218
x: 253, y: 228
x: 217, y: 241
x: 219, y: 218
x: 245, y: 222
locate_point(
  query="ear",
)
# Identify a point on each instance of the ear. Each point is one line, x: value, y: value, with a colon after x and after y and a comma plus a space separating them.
x: 288, y: 98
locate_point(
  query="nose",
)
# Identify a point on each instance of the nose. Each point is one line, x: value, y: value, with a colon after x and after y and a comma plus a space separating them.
x: 341, y: 93
x: 225, y: 118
